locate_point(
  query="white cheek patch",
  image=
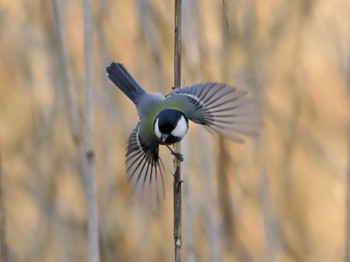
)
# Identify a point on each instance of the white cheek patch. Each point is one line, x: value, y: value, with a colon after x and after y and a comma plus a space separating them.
x: 181, y: 128
x: 156, y: 129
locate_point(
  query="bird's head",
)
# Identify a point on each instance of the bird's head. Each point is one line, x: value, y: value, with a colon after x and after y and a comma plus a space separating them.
x: 170, y: 126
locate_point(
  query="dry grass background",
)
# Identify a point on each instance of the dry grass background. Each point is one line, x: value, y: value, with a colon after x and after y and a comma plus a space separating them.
x: 281, y: 198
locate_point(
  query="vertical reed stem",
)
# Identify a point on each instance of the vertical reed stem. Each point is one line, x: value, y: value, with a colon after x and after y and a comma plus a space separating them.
x: 177, y: 163
x: 347, y: 230
x: 89, y: 167
x: 3, y: 244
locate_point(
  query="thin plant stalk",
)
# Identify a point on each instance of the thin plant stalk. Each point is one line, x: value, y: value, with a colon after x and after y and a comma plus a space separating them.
x: 89, y: 167
x: 3, y: 243
x: 74, y: 120
x: 73, y: 116
x: 177, y: 163
x: 347, y: 231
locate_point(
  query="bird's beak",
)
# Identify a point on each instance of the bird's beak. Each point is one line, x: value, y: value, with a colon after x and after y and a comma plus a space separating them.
x: 164, y: 137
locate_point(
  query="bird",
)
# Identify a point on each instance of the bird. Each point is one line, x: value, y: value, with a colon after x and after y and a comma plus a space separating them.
x: 164, y: 120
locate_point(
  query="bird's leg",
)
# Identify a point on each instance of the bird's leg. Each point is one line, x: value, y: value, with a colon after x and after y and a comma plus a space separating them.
x: 178, y: 155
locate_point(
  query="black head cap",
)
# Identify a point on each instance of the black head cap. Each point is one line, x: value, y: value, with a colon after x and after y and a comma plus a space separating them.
x: 168, y: 119
x: 170, y: 126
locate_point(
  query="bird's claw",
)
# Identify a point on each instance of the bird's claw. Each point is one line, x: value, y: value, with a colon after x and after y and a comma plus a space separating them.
x: 178, y: 155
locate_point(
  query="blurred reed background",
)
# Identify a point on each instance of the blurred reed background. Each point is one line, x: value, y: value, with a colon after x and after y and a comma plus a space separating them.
x: 281, y: 198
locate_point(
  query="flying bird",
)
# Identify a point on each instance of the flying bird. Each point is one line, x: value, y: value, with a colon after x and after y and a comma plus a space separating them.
x: 163, y: 120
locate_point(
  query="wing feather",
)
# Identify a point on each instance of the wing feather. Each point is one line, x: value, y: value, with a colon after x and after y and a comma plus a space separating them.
x: 222, y: 109
x: 144, y: 170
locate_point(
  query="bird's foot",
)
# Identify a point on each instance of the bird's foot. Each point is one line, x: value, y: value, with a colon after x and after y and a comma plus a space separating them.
x: 178, y: 155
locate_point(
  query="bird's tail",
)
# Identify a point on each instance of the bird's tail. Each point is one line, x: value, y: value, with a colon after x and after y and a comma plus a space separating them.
x: 119, y: 76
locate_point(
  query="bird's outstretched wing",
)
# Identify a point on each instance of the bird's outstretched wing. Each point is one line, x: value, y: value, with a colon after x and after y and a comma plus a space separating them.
x: 221, y: 108
x: 144, y: 170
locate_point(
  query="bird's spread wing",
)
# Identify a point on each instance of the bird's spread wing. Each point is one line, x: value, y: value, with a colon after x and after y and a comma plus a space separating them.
x: 221, y: 108
x: 144, y: 170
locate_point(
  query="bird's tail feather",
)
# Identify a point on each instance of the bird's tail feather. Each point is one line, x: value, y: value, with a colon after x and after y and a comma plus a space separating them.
x: 120, y: 76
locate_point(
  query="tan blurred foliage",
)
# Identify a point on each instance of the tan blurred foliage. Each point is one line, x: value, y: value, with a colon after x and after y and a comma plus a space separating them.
x: 281, y: 198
